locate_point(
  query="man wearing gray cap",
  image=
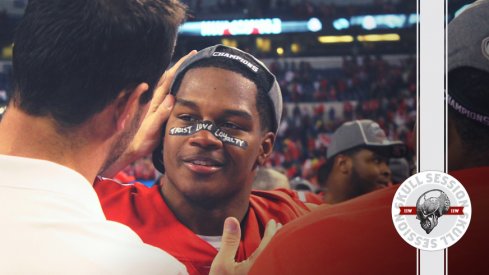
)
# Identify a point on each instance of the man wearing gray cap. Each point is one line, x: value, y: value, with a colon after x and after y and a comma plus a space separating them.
x: 364, y: 222
x: 468, y: 127
x: 358, y: 160
x: 222, y: 128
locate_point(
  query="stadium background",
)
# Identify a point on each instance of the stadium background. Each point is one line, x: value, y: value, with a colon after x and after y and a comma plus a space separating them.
x: 335, y: 60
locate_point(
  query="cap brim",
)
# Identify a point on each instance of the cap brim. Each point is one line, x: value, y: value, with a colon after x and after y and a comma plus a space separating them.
x: 394, y: 149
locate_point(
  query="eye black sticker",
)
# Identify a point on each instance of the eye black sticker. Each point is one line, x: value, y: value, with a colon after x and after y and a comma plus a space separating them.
x: 211, y: 127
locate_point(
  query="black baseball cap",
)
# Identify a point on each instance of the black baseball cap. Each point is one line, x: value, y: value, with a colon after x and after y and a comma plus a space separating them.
x: 240, y: 58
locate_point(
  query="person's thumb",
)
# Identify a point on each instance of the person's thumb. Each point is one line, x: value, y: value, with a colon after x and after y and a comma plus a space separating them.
x: 224, y: 261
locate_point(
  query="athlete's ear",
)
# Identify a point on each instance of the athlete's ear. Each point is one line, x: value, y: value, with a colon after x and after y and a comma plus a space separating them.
x: 266, y: 148
x: 127, y: 105
x: 343, y: 163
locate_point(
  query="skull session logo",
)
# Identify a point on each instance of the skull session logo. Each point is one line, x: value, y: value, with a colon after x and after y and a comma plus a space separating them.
x: 428, y: 210
x: 431, y: 210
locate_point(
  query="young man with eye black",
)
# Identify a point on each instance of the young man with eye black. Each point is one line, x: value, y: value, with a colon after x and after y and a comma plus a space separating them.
x: 222, y: 128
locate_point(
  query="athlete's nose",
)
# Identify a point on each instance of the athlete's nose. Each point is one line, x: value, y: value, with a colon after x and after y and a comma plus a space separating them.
x: 205, y: 139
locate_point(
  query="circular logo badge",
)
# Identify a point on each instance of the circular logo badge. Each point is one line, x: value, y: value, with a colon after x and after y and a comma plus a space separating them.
x: 431, y: 210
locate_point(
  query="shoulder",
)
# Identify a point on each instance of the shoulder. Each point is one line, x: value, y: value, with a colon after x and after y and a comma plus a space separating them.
x: 284, y: 200
x: 310, y: 198
x: 276, y: 195
x: 106, y: 187
x: 468, y: 176
x: 353, y: 214
x: 127, y: 203
x: 313, y: 242
x: 121, y: 248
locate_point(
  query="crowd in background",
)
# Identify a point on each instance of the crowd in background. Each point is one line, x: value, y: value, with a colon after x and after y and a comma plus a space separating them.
x: 370, y: 89
x: 296, y: 9
x: 365, y: 86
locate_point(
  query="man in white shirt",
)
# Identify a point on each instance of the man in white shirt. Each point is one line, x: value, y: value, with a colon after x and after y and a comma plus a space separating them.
x: 84, y: 73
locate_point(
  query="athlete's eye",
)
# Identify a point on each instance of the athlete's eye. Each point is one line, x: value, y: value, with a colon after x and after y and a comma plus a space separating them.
x: 230, y: 125
x: 188, y: 118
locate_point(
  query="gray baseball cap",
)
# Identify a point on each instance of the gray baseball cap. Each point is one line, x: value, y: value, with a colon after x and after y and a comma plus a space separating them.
x: 468, y: 46
x: 468, y: 38
x: 363, y: 133
x: 240, y: 58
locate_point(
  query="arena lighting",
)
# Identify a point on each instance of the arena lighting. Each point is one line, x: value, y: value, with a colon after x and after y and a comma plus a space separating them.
x: 379, y: 37
x: 229, y: 42
x: 7, y: 52
x: 280, y: 50
x: 263, y: 44
x: 248, y: 27
x: 375, y: 22
x: 336, y: 39
x: 295, y: 48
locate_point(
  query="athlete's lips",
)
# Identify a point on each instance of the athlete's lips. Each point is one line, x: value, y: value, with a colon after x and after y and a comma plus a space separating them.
x: 203, y: 164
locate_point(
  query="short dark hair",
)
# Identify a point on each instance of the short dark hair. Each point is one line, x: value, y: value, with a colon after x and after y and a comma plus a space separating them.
x: 264, y: 105
x: 473, y: 85
x: 72, y: 58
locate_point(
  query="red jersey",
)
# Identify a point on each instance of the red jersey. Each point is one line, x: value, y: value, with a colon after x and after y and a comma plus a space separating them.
x: 310, y: 197
x: 359, y: 237
x: 467, y: 255
x: 145, y: 211
x: 353, y: 237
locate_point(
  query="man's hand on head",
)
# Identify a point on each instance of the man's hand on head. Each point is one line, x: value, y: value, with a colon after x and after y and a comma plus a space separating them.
x: 149, y: 133
x: 224, y: 262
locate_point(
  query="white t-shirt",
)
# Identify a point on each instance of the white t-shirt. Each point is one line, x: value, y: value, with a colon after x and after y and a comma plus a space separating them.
x: 51, y: 222
x: 214, y: 241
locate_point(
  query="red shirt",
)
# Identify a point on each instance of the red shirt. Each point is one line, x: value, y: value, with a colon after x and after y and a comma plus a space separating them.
x: 358, y: 237
x: 353, y: 237
x: 467, y: 256
x: 144, y: 210
x: 310, y: 197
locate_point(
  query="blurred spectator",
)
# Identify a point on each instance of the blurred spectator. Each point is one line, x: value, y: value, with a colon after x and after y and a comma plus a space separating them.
x: 357, y: 161
x: 124, y: 176
x: 399, y: 170
x: 300, y: 184
x: 371, y: 88
x: 144, y: 169
x: 306, y: 191
x: 269, y: 179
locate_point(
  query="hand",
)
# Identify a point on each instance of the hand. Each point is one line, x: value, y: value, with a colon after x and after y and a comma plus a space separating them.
x: 149, y: 133
x: 224, y: 262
